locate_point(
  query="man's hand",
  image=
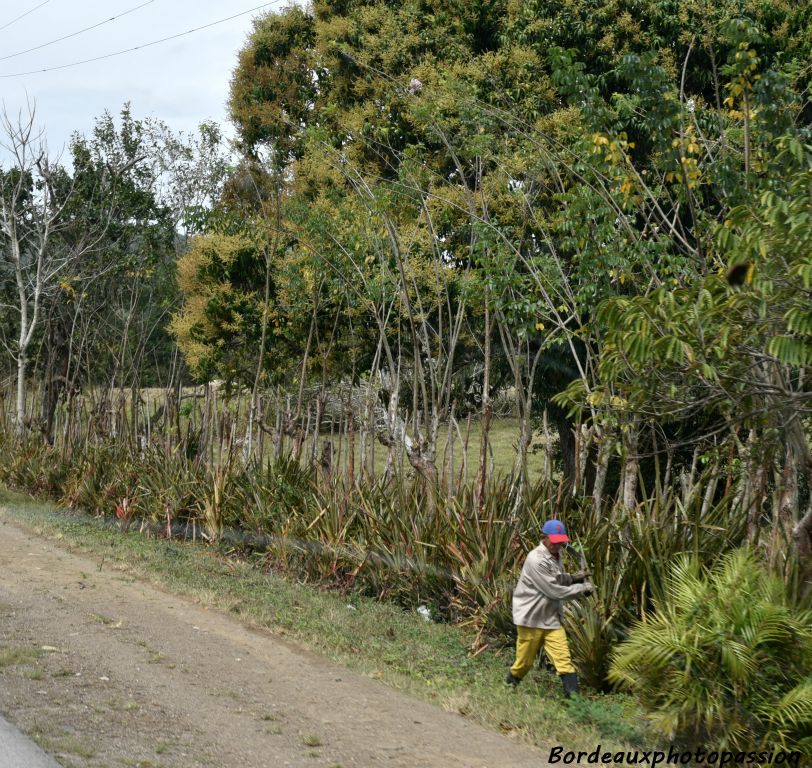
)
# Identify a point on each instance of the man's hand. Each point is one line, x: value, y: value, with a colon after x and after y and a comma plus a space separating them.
x: 579, y: 577
x: 589, y: 589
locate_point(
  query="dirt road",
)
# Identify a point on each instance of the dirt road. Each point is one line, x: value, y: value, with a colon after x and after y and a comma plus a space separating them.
x: 104, y: 670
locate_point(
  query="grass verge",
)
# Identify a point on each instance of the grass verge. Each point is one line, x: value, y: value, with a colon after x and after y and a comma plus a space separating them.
x: 376, y: 639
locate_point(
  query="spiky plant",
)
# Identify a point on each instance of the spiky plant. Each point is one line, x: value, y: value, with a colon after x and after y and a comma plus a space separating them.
x: 630, y: 554
x: 725, y: 659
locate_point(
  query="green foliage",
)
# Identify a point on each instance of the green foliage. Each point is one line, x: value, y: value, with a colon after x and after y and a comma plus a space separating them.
x: 630, y: 556
x: 274, y: 84
x: 36, y: 468
x: 725, y: 660
x: 622, y: 188
x: 219, y: 326
x: 700, y: 319
x: 676, y: 350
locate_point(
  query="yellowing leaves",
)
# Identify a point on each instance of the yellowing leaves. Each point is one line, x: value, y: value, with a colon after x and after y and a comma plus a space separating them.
x: 600, y: 399
x: 614, y: 150
x: 217, y: 304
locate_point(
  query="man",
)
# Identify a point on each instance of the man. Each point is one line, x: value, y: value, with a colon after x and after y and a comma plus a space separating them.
x: 537, y: 608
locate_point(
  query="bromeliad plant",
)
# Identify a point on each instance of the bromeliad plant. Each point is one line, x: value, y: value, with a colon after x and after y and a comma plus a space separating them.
x: 459, y: 558
x: 630, y: 553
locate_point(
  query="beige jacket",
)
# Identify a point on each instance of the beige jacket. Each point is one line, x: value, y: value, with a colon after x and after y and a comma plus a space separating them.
x: 542, y: 588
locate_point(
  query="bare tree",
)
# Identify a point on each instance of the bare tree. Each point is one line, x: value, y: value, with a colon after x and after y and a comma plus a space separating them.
x: 30, y: 213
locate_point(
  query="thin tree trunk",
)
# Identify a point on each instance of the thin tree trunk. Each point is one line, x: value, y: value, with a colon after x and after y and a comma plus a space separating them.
x: 487, y: 412
x: 631, y: 463
x: 601, y: 470
x: 22, y: 365
x: 350, y: 443
x: 786, y: 510
x: 710, y: 491
x: 566, y: 439
x: 449, y: 464
x: 547, y: 460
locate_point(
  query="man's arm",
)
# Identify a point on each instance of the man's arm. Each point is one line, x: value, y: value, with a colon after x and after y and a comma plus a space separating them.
x: 566, y: 579
x: 553, y: 585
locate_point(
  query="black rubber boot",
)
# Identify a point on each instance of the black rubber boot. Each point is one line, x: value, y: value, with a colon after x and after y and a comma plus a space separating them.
x: 510, y: 680
x: 570, y: 682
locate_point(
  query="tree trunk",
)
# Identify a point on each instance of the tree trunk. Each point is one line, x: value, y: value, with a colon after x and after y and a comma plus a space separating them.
x: 785, y: 512
x: 449, y: 463
x: 427, y: 470
x: 22, y: 365
x: 487, y: 412
x: 601, y: 470
x: 566, y: 438
x: 631, y: 463
x: 524, y: 404
x: 55, y: 379
x: 547, y: 466
x: 585, y: 457
x: 350, y: 443
x: 750, y: 495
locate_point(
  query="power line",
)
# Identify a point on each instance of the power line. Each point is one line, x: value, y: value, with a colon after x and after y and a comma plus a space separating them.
x: 22, y: 15
x: 73, y: 34
x: 137, y: 47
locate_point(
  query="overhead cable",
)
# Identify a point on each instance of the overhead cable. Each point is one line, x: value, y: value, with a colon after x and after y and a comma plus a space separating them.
x: 73, y: 34
x: 23, y: 15
x: 137, y: 47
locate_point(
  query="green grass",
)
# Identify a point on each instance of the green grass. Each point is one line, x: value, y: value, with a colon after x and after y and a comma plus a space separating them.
x: 376, y: 639
x: 503, y: 437
x: 164, y: 746
x: 61, y: 744
x: 504, y: 434
x: 12, y: 655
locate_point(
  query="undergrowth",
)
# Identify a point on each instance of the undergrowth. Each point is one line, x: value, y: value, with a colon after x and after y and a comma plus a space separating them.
x: 428, y: 659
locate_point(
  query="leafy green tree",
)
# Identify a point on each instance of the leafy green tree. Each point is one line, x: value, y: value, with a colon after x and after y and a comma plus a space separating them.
x: 663, y: 178
x: 112, y: 302
x: 220, y: 323
x: 544, y: 182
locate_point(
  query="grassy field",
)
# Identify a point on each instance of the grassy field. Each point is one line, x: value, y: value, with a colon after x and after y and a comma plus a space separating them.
x: 504, y: 434
x: 503, y: 438
x: 370, y: 637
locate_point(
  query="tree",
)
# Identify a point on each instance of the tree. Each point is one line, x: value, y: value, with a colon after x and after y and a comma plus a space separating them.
x: 107, y: 244
x: 461, y: 168
x: 33, y: 197
x: 713, y: 336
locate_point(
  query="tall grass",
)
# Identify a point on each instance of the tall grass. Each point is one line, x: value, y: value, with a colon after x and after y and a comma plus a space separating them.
x: 456, y: 557
x: 631, y: 555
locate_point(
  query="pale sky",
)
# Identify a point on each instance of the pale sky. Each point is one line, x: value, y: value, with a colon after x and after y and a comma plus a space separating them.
x: 182, y: 81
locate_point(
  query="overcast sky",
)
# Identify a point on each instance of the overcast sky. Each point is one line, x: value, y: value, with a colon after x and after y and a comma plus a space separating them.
x: 182, y: 81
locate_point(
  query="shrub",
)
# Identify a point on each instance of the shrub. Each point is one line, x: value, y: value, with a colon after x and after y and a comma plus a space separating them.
x: 725, y: 659
x: 630, y: 553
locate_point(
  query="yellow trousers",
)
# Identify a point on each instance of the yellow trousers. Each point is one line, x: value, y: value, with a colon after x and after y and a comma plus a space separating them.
x: 528, y: 643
